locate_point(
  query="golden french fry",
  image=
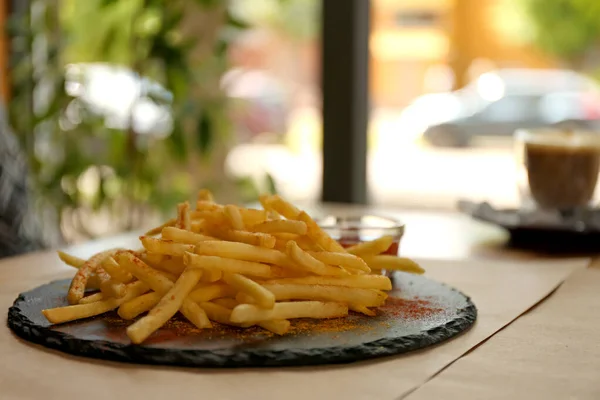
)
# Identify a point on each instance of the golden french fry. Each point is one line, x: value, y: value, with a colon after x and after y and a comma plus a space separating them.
x: 203, y: 205
x: 252, y: 238
x: 249, y: 313
x: 60, y: 315
x: 233, y: 215
x: 389, y: 262
x: 112, y: 288
x: 278, y: 272
x: 78, y: 284
x: 205, y: 195
x: 211, y: 292
x: 250, y: 216
x: 372, y: 247
x: 263, y: 297
x: 362, y: 309
x: 341, y: 259
x: 226, y: 265
x: 279, y: 205
x: 318, y: 235
x: 226, y: 302
x: 183, y: 236
x: 278, y: 326
x: 92, y: 298
x: 311, y: 264
x: 171, y: 302
x: 198, y: 226
x: 281, y: 226
x: 379, y: 282
x: 366, y: 297
x: 158, y: 229
x: 70, y: 260
x: 134, y: 307
x: 242, y: 251
x: 218, y: 313
x: 211, y: 275
x: 183, y: 216
x: 165, y: 247
x: 170, y: 264
x: 115, y: 271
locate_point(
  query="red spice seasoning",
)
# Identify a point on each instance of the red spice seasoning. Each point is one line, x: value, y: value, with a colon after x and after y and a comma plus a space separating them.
x: 409, y: 308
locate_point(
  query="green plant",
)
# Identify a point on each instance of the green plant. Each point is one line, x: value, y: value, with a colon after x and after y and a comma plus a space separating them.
x: 81, y: 164
x: 566, y: 29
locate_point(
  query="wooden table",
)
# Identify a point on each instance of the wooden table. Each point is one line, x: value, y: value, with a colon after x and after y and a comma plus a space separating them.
x: 429, y: 236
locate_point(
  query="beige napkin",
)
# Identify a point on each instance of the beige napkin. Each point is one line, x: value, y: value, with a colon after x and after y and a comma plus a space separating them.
x: 552, y: 352
x: 501, y: 291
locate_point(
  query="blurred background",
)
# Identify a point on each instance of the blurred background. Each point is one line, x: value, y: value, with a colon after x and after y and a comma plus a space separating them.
x: 121, y: 109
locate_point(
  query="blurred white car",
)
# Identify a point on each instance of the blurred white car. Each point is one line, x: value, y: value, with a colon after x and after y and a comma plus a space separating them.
x: 499, y: 102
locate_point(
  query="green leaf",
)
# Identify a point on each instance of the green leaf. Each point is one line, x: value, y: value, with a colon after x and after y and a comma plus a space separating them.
x: 177, y: 143
x: 271, y: 184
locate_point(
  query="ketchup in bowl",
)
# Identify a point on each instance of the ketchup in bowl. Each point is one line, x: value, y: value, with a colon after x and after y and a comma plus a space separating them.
x: 354, y: 229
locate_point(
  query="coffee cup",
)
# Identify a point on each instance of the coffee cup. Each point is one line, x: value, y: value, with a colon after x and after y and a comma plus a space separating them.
x: 558, y: 169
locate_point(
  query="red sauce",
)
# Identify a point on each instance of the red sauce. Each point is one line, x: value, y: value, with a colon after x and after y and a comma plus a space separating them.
x: 351, y: 241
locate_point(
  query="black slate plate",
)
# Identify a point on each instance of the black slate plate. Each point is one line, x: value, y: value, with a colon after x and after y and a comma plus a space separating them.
x: 419, y: 313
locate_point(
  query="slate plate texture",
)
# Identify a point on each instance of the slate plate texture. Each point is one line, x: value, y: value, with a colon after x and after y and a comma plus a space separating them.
x: 419, y: 313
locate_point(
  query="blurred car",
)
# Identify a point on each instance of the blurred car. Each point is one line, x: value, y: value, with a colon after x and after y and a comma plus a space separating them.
x: 501, y: 101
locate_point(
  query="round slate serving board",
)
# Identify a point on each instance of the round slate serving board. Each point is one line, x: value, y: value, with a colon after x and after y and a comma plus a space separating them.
x: 419, y: 313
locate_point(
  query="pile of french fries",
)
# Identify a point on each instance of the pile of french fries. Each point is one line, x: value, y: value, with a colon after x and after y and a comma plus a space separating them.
x: 234, y: 266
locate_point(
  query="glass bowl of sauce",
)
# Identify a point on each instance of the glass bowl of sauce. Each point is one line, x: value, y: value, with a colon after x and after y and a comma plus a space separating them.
x: 353, y: 229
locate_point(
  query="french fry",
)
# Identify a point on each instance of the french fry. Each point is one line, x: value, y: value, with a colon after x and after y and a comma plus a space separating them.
x: 68, y: 259
x: 226, y: 302
x: 78, y: 284
x: 378, y: 282
x: 362, y: 309
x: 165, y: 247
x: 158, y: 229
x: 281, y: 226
x: 183, y: 216
x: 242, y: 251
x: 341, y: 259
x: 205, y: 195
x: 372, y: 247
x: 250, y: 216
x: 319, y: 235
x: 170, y: 264
x: 198, y: 226
x: 61, y: 315
x: 277, y: 326
x: 112, y: 288
x: 311, y: 264
x: 115, y: 271
x: 183, y: 236
x: 251, y: 238
x: 92, y: 298
x: 226, y: 265
x: 279, y: 205
x: 211, y: 275
x: 366, y: 297
x: 263, y: 297
x: 218, y: 313
x: 134, y: 307
x: 389, y: 262
x: 211, y: 292
x: 249, y: 313
x: 158, y: 282
x: 233, y: 215
x: 170, y: 303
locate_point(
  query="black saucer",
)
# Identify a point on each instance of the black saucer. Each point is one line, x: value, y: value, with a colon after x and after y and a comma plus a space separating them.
x: 548, y: 232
